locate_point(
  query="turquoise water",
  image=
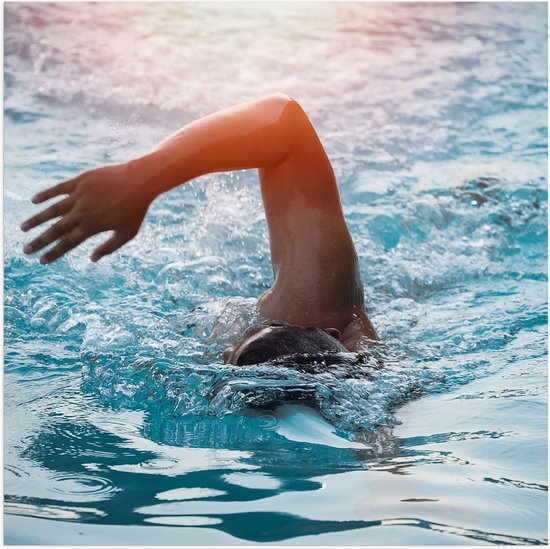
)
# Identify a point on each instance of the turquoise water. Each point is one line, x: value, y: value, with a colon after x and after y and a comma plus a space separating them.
x: 121, y: 424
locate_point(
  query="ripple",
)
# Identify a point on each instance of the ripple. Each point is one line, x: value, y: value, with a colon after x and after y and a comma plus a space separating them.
x: 517, y: 483
x: 160, y: 464
x: 440, y: 438
x: 401, y: 463
x: 82, y: 485
x: 268, y: 420
x: 479, y: 535
x: 502, y: 393
x: 17, y: 471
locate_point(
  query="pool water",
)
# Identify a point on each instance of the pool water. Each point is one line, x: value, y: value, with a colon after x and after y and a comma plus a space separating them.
x: 121, y: 425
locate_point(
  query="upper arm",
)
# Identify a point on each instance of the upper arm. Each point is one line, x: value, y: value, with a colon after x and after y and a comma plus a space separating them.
x: 303, y: 176
x: 314, y: 260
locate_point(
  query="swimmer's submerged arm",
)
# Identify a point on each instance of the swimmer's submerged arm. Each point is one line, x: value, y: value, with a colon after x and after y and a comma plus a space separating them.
x: 115, y: 198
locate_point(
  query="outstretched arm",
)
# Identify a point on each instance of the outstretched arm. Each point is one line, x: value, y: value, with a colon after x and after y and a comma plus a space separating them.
x: 317, y: 280
x: 115, y: 198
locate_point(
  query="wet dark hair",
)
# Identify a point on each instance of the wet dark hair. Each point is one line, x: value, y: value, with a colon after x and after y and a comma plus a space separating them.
x: 285, y: 340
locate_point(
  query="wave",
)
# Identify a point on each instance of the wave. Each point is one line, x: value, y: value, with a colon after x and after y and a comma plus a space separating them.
x: 161, y: 350
x: 454, y: 265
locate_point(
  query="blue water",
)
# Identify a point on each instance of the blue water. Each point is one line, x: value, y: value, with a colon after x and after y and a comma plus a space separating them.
x: 121, y: 424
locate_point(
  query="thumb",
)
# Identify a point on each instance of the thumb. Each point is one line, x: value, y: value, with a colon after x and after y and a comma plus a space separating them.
x: 110, y: 245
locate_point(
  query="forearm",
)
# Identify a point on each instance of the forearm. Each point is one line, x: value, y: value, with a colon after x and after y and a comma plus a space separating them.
x: 116, y: 197
x: 253, y: 135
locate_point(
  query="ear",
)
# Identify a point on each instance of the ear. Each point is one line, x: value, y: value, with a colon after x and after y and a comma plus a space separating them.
x: 227, y: 354
x: 335, y: 333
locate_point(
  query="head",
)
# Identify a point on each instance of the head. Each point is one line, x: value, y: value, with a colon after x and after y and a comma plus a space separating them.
x: 267, y: 341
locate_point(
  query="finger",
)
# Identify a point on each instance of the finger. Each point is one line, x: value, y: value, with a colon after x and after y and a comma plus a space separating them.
x: 109, y: 246
x: 63, y: 188
x: 68, y: 242
x: 59, y: 208
x: 53, y: 233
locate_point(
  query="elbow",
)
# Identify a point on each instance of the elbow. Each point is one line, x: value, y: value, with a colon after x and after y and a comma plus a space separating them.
x: 277, y: 108
x: 288, y: 125
x: 282, y: 98
x: 290, y: 112
x: 285, y: 103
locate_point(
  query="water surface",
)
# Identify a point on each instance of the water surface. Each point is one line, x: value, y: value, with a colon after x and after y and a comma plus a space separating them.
x: 434, y: 117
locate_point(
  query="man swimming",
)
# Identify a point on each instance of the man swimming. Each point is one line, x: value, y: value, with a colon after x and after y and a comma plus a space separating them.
x: 316, y: 303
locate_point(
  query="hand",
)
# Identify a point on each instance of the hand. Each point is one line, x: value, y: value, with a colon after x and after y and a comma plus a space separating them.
x: 104, y: 199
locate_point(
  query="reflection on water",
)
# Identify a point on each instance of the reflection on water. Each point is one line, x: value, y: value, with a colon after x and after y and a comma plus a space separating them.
x: 233, y: 491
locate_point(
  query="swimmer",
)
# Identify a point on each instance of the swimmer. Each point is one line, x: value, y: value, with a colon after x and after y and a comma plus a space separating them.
x: 316, y: 303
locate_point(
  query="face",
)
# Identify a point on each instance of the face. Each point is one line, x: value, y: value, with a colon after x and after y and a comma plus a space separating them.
x: 252, y: 333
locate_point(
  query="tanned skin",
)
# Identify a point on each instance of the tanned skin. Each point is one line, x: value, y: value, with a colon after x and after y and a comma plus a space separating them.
x: 317, y: 281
